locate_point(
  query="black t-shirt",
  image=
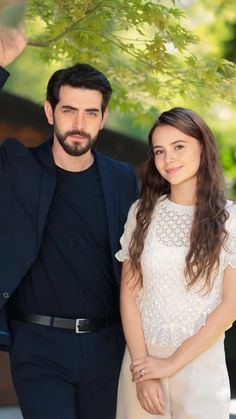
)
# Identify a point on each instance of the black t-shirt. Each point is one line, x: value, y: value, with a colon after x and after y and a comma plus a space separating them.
x: 73, y: 274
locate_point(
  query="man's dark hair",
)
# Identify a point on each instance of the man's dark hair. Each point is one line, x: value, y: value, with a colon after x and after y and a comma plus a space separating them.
x: 80, y: 75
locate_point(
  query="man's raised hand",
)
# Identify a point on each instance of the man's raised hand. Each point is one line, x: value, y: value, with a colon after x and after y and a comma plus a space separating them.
x: 12, y: 33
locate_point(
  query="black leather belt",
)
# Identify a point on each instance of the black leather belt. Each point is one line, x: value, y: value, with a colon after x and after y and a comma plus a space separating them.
x: 83, y: 325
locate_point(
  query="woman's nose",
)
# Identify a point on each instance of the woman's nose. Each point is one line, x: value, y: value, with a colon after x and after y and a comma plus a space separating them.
x: 169, y: 157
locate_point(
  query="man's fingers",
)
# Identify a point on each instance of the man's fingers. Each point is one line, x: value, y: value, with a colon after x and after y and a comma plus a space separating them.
x: 12, y: 14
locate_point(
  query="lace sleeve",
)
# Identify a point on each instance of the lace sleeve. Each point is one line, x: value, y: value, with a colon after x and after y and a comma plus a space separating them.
x: 123, y: 253
x: 230, y: 248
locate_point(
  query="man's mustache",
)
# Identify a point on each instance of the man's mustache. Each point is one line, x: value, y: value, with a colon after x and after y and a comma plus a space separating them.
x: 77, y: 132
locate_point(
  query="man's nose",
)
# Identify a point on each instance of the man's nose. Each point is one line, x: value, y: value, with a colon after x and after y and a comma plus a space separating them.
x: 79, y: 122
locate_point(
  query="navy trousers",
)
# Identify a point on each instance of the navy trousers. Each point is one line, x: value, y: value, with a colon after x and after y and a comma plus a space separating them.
x: 58, y: 374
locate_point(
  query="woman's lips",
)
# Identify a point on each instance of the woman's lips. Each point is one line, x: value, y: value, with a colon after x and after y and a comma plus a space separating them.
x: 173, y: 170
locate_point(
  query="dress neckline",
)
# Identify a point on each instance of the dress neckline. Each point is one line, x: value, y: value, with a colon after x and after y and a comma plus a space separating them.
x: 165, y: 201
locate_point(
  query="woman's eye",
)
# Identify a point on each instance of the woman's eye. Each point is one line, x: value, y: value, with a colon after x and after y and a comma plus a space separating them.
x: 158, y: 152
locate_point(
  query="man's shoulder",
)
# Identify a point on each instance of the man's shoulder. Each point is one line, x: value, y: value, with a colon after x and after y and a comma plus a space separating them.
x: 14, y: 150
x: 41, y: 148
x: 113, y: 163
x: 14, y: 154
x: 11, y: 146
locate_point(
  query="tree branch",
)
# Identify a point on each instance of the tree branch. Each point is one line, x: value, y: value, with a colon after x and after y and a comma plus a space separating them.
x: 71, y: 28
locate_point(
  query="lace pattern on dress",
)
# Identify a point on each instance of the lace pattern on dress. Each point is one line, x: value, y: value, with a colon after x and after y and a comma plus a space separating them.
x: 230, y: 253
x: 166, y: 332
x: 123, y: 253
x: 173, y: 229
x: 171, y: 313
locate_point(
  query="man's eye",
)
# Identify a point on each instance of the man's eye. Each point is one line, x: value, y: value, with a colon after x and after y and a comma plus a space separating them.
x: 92, y: 113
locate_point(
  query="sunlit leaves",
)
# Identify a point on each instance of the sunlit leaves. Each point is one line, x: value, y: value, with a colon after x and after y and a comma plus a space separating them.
x: 142, y: 46
x: 155, y: 54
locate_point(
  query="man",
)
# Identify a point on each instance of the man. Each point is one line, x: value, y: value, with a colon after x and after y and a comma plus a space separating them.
x: 62, y: 211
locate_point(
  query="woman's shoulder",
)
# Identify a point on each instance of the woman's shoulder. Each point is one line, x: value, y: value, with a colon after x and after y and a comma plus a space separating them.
x: 230, y: 207
x: 134, y: 208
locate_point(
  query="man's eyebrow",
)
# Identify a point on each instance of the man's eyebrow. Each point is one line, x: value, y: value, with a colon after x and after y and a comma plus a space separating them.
x: 69, y: 107
x: 73, y: 108
x: 93, y: 109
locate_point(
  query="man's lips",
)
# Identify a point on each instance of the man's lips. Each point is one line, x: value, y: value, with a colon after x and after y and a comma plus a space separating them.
x: 78, y: 137
x: 173, y: 170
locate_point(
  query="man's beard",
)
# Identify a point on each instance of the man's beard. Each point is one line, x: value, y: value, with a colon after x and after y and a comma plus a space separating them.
x: 76, y: 148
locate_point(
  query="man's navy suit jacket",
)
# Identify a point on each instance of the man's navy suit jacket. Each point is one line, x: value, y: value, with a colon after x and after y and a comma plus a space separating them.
x: 27, y: 185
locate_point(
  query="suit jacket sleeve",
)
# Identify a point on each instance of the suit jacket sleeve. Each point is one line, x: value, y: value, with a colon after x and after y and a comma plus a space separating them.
x: 3, y: 76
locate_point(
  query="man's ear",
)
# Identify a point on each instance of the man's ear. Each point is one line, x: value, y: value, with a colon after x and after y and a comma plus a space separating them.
x: 104, y: 118
x: 49, y: 112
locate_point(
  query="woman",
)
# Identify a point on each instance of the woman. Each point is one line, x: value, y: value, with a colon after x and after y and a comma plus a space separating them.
x: 178, y: 288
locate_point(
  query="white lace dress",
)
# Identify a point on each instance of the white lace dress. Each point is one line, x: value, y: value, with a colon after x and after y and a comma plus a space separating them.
x: 170, y: 312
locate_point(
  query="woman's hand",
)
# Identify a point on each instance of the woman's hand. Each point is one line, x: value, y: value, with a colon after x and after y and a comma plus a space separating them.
x: 151, y: 368
x: 150, y: 396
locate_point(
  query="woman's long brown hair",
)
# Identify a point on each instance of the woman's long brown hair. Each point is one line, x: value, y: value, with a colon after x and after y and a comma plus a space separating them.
x: 208, y: 233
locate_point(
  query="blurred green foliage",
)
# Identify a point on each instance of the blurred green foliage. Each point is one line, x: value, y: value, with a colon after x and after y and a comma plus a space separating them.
x: 214, y: 22
x: 157, y: 54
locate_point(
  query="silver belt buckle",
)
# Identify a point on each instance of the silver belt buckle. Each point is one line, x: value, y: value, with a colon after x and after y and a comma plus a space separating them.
x: 77, y: 328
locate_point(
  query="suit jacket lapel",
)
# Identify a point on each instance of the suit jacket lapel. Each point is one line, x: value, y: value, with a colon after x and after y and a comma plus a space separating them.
x: 110, y: 193
x: 45, y: 158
